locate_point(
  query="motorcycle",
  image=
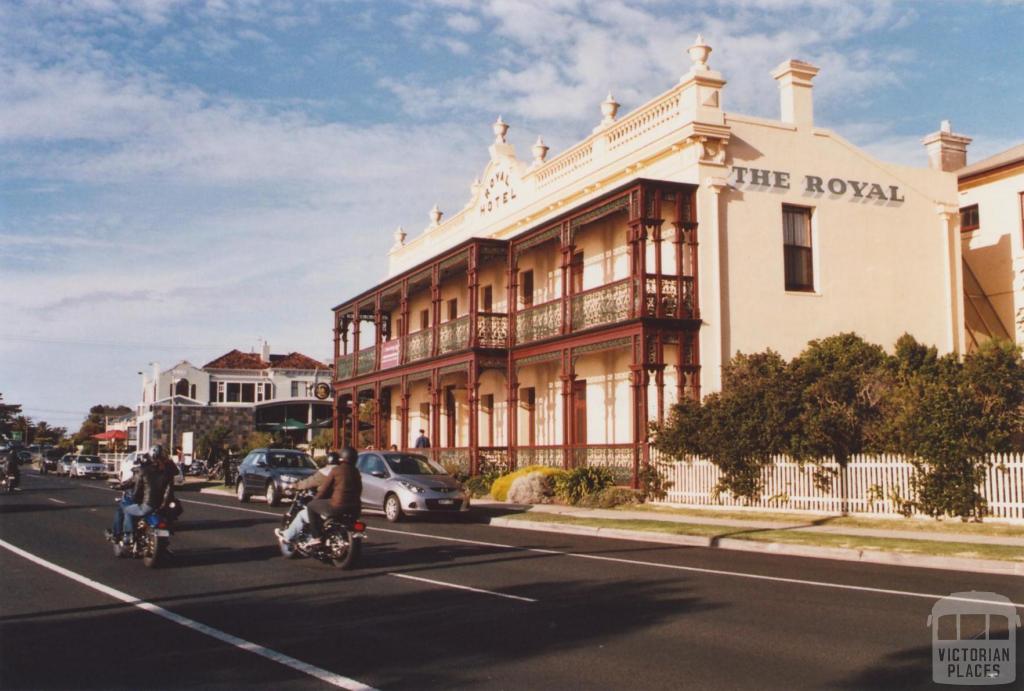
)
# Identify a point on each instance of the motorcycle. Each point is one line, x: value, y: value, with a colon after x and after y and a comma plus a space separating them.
x: 6, y: 482
x: 151, y: 536
x: 342, y: 539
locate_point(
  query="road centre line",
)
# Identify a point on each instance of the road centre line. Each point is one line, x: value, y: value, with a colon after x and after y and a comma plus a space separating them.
x: 462, y: 587
x: 56, y: 500
x: 240, y: 643
x: 634, y: 562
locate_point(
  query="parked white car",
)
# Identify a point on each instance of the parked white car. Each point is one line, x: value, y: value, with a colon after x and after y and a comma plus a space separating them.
x: 87, y: 466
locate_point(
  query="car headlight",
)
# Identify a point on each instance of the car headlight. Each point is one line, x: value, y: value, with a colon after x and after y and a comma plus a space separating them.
x: 411, y: 487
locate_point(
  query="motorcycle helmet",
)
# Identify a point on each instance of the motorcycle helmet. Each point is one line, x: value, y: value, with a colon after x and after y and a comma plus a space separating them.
x: 156, y: 451
x: 348, y: 455
x: 333, y: 458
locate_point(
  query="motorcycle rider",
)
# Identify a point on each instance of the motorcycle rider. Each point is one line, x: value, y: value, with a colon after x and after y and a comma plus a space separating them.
x: 9, y: 466
x: 151, y: 492
x: 338, y: 495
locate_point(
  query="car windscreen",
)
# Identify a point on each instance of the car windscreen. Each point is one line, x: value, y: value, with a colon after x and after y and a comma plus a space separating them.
x: 290, y: 460
x: 411, y: 465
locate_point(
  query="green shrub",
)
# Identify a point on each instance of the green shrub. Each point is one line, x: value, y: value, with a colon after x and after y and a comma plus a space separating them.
x: 535, y: 488
x: 478, y: 485
x: 610, y: 497
x: 579, y: 482
x: 500, y: 487
x: 653, y: 483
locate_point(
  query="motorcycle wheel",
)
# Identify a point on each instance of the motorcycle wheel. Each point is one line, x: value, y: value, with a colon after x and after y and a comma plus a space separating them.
x: 154, y: 551
x: 342, y: 549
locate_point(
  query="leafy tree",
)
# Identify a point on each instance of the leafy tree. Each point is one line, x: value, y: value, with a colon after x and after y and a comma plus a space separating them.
x: 95, y: 422
x: 740, y: 428
x: 839, y: 381
x: 947, y: 417
x: 212, y: 444
x: 8, y: 411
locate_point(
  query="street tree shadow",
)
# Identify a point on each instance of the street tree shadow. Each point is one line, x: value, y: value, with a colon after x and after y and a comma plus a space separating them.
x: 715, y: 540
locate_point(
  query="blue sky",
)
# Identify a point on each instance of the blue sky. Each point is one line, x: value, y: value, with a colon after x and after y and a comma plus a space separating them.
x: 179, y: 178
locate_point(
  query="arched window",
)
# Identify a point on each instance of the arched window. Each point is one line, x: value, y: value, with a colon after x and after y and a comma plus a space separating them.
x: 183, y: 388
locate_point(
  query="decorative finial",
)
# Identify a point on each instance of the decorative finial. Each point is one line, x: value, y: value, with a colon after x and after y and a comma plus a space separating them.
x: 540, y: 151
x: 399, y: 236
x: 609, y: 108
x: 945, y: 126
x: 699, y: 53
x: 500, y: 129
x: 435, y: 216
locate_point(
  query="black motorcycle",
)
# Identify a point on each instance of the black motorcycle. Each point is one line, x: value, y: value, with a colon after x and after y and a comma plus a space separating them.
x: 151, y: 537
x: 342, y: 538
x: 7, y: 482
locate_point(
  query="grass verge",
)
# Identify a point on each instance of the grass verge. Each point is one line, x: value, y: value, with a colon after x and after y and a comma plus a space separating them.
x: 951, y: 526
x: 927, y: 547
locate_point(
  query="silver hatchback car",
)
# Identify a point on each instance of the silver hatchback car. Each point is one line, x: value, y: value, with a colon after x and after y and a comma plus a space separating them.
x: 408, y: 484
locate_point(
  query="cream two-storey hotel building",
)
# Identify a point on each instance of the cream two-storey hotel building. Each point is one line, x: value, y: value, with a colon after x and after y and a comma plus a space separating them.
x: 575, y: 298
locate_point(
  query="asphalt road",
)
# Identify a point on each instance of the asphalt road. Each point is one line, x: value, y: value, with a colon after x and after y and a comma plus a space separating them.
x: 441, y: 605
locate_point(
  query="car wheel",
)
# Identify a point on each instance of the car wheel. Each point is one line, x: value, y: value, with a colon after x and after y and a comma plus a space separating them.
x: 272, y: 494
x: 240, y: 492
x: 393, y: 508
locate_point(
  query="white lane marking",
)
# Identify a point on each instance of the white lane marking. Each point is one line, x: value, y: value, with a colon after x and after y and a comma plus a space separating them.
x: 58, y: 501
x: 462, y: 587
x: 280, y: 658
x: 654, y: 564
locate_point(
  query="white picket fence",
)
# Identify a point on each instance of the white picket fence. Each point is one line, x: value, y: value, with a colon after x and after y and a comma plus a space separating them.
x: 869, y: 485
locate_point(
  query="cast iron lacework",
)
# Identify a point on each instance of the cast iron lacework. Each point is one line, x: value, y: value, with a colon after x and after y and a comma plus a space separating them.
x: 614, y: 343
x: 539, y: 455
x: 492, y: 363
x: 455, y: 335
x: 419, y: 376
x: 391, y: 382
x: 461, y: 368
x: 492, y: 330
x: 343, y: 366
x: 618, y: 459
x: 422, y: 277
x: 669, y: 296
x: 603, y: 210
x: 543, y: 236
x: 541, y: 321
x: 459, y: 258
x: 455, y: 461
x: 418, y: 345
x: 605, y: 305
x: 535, y: 359
x: 367, y: 359
x: 493, y: 460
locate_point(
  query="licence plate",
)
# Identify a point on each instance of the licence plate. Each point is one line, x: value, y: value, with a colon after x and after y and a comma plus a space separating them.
x: 446, y: 502
x: 160, y: 532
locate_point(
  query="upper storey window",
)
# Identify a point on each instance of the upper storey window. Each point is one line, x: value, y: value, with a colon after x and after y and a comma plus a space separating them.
x: 969, y: 218
x: 797, y: 249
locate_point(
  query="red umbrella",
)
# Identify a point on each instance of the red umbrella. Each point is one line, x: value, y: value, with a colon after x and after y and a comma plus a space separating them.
x: 111, y: 435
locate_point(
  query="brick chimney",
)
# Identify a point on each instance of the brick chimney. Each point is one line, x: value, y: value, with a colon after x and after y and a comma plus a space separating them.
x: 946, y: 151
x: 794, y: 78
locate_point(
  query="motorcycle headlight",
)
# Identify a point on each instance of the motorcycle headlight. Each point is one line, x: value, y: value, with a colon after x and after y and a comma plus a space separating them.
x: 289, y: 479
x: 411, y: 487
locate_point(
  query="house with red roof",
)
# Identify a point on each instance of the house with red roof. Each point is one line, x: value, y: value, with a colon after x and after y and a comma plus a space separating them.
x: 241, y: 391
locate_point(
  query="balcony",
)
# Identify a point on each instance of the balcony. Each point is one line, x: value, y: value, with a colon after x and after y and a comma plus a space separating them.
x: 608, y: 304
x: 454, y: 336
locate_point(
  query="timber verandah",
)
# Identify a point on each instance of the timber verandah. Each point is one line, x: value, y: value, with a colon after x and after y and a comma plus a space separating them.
x: 641, y: 313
